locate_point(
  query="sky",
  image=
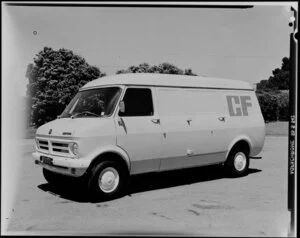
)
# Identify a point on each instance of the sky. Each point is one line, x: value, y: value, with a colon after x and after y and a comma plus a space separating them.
x: 240, y: 44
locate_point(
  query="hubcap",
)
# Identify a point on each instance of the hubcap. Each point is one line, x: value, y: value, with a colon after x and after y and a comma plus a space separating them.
x: 240, y: 161
x: 108, y: 180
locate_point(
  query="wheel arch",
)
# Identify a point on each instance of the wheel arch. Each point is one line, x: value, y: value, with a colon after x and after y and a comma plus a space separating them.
x: 240, y: 142
x: 116, y: 155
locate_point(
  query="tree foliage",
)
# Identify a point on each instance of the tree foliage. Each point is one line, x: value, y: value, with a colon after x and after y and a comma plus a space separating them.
x: 274, y: 105
x: 273, y: 95
x: 54, y: 79
x: 164, y: 68
x: 269, y: 106
x: 279, y: 80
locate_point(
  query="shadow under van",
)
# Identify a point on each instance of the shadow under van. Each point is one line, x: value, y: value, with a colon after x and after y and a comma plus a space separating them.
x: 69, y: 190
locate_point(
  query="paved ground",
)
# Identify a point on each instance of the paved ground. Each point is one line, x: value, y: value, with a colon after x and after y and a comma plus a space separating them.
x: 195, y: 202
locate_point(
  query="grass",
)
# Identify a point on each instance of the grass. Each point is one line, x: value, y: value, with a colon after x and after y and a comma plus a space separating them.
x: 279, y: 128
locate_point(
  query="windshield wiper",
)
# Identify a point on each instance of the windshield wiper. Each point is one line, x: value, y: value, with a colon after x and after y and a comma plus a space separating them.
x: 85, y: 112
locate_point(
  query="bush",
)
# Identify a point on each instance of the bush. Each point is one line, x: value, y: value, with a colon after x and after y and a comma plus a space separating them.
x: 283, y: 104
x: 274, y: 105
x: 268, y: 106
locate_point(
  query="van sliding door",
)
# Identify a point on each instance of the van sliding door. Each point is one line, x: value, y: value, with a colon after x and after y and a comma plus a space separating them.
x: 207, y: 109
x: 189, y: 119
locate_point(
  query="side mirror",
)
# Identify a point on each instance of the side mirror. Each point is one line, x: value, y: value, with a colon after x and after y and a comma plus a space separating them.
x: 122, y: 106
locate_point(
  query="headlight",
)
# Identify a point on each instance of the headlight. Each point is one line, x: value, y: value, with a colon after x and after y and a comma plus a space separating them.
x: 74, y: 148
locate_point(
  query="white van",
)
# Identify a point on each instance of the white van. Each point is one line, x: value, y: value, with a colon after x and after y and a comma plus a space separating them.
x: 126, y: 124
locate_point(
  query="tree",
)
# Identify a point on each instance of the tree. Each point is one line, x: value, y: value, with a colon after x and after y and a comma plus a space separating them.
x: 273, y: 94
x: 269, y: 105
x: 164, y: 68
x: 279, y: 80
x: 54, y: 79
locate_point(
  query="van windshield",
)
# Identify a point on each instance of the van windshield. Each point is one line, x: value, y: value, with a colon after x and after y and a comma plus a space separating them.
x: 93, y: 103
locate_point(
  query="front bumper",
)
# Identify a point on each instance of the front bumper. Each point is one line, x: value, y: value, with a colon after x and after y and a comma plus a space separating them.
x: 63, y: 165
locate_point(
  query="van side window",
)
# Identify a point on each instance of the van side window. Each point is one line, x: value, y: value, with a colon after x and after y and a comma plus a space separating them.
x: 138, y: 102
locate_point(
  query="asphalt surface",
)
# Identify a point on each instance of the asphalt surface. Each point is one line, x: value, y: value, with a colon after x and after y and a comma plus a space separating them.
x: 192, y: 202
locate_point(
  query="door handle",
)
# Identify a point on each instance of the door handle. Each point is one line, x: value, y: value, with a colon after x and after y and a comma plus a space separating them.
x: 221, y: 119
x: 156, y: 121
x: 189, y: 121
x: 120, y: 121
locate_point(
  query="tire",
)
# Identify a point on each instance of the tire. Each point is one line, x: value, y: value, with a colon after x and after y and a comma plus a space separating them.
x: 107, y: 181
x: 237, y: 163
x: 50, y: 176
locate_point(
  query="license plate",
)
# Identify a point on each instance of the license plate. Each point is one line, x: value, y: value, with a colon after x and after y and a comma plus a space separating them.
x: 46, y: 160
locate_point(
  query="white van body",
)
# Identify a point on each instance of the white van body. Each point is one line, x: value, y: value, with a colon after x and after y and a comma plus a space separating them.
x: 195, y: 121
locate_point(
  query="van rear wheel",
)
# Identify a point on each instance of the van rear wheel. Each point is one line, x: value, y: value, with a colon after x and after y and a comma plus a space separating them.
x: 237, y: 163
x: 107, y: 180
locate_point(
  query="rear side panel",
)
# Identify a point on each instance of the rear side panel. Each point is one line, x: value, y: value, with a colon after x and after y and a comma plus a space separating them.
x: 244, y: 120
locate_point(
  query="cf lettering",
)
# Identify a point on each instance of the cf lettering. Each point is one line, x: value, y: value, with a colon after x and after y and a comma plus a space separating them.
x: 233, y: 105
x: 238, y: 105
x: 245, y: 101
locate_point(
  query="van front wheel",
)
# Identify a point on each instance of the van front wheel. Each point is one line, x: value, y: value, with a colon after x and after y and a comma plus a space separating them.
x: 107, y: 180
x: 237, y: 163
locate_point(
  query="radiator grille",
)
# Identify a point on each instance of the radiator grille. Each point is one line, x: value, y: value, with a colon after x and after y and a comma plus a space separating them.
x: 51, y: 147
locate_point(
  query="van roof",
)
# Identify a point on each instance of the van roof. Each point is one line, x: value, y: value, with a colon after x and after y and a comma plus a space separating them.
x: 170, y: 80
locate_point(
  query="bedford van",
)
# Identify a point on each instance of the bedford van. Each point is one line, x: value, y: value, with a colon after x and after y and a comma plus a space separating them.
x: 127, y: 124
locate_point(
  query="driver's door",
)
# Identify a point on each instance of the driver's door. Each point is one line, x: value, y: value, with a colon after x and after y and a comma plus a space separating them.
x: 139, y: 131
